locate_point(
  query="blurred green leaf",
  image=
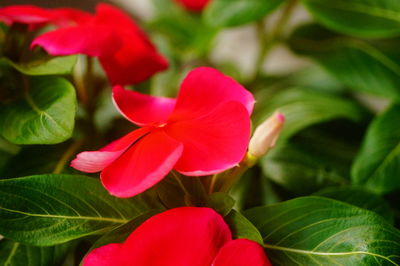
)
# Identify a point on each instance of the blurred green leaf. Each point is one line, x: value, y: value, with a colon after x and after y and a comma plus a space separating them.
x: 360, y: 198
x: 62, y: 65
x: 16, y: 254
x: 362, y: 18
x: 304, y: 108
x: 242, y: 228
x: 365, y: 66
x: 321, y: 231
x: 230, y: 13
x: 46, y: 210
x: 45, y: 115
x: 220, y: 202
x: 377, y: 166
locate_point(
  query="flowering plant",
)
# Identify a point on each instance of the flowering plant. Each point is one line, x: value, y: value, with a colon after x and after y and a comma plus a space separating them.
x: 131, y: 141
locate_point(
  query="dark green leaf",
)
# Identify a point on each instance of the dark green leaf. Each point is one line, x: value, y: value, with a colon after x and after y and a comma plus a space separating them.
x: 45, y: 115
x: 363, y: 18
x: 53, y: 66
x: 16, y: 254
x: 242, y: 228
x: 229, y: 13
x: 377, y: 166
x: 321, y: 231
x: 220, y: 202
x: 361, y: 65
x: 359, y: 198
x: 304, y: 108
x: 50, y: 209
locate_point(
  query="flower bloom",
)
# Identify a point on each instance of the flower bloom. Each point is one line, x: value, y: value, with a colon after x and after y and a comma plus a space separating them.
x: 193, y: 5
x: 204, y: 131
x: 186, y: 236
x: 124, y: 51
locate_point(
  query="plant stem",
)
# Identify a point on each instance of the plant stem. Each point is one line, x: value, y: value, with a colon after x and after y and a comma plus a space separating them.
x: 268, y: 42
x: 72, y: 149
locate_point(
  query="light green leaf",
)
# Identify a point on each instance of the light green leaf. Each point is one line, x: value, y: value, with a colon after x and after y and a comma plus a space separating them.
x: 242, y: 228
x: 45, y: 115
x: 304, y: 108
x: 46, y: 210
x: 61, y: 65
x: 16, y: 254
x: 361, y: 65
x: 230, y: 13
x: 359, y: 198
x: 377, y: 166
x: 362, y: 18
x: 321, y: 231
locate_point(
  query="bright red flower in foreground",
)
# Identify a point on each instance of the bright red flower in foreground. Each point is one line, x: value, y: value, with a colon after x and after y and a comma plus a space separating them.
x: 204, y: 131
x: 123, y: 49
x: 193, y: 5
x: 186, y: 236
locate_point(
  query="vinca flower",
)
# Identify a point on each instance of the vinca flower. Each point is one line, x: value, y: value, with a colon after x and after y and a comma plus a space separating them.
x: 204, y: 131
x: 181, y: 237
x: 123, y: 49
x: 193, y: 5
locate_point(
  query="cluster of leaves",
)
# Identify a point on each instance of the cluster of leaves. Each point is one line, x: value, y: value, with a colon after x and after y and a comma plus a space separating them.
x: 328, y: 190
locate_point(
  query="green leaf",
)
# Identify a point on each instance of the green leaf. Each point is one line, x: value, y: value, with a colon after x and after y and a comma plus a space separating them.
x: 242, y: 228
x: 230, y: 13
x: 377, y: 166
x: 45, y: 115
x: 220, y: 202
x: 16, y: 254
x: 359, y: 198
x: 62, y: 65
x: 321, y: 231
x: 46, y: 210
x: 366, y: 66
x: 304, y: 108
x: 362, y: 18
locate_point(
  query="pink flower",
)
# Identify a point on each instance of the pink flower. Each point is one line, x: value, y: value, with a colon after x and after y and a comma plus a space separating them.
x: 204, y: 131
x: 37, y: 17
x: 186, y: 236
x: 124, y: 51
x: 193, y: 5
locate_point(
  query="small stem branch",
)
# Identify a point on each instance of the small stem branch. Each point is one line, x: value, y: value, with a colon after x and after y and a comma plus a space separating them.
x: 72, y: 149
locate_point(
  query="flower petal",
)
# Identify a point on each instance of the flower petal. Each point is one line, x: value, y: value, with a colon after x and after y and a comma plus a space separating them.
x: 214, y: 142
x: 26, y: 14
x: 241, y: 252
x: 142, y: 109
x: 177, y: 237
x: 107, y: 255
x: 93, y: 40
x: 204, y: 89
x: 193, y: 5
x: 95, y: 161
x: 142, y: 165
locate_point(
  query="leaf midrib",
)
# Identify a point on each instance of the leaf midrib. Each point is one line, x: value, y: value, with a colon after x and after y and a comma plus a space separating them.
x: 12, y: 254
x: 361, y: 8
x: 91, y: 218
x: 316, y: 253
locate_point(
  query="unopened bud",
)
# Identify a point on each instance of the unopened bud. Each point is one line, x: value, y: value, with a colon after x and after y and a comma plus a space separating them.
x: 266, y: 135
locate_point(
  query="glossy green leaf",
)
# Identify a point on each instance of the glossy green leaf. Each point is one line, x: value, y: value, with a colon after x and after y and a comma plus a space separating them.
x: 242, y: 228
x: 45, y: 114
x: 304, y: 108
x: 61, y: 65
x: 321, y: 231
x: 363, y: 18
x: 360, y: 198
x: 361, y: 65
x: 229, y: 13
x: 377, y: 166
x: 50, y: 209
x: 16, y: 254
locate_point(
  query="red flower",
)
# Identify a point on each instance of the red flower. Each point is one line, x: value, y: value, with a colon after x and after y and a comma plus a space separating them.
x: 124, y: 51
x: 186, y: 236
x: 193, y: 5
x: 204, y: 131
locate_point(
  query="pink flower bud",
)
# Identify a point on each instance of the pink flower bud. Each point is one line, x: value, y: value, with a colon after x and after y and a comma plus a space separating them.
x: 266, y: 135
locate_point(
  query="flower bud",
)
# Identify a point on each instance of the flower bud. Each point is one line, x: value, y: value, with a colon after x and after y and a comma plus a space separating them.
x: 266, y: 135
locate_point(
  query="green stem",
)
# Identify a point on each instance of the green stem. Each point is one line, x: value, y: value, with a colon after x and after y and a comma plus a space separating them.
x: 72, y: 149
